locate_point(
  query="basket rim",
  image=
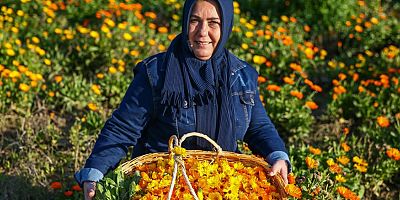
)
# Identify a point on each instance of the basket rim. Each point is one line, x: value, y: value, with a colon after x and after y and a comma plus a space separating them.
x: 128, y: 166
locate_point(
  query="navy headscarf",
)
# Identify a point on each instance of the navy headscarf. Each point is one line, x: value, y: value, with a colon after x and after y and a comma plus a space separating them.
x: 204, y: 84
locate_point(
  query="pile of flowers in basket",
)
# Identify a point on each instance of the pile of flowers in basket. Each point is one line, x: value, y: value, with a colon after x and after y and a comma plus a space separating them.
x: 219, y: 179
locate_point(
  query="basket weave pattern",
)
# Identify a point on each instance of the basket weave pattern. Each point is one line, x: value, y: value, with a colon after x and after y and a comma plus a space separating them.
x: 129, y: 167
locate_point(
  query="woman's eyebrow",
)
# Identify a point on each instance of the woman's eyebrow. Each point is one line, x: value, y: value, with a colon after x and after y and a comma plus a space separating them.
x: 210, y: 18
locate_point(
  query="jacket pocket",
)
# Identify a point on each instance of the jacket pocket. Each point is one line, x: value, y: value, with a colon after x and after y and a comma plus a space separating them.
x: 247, y: 103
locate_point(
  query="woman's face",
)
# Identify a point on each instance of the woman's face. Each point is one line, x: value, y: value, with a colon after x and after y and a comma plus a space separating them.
x: 204, y: 28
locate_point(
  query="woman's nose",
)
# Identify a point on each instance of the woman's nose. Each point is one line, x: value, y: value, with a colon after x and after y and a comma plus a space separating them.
x: 203, y: 29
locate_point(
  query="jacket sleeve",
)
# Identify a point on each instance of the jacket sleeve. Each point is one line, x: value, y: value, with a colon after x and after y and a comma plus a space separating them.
x: 262, y: 136
x: 124, y: 127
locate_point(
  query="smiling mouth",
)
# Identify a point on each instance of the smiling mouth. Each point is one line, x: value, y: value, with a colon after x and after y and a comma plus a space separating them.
x: 202, y: 43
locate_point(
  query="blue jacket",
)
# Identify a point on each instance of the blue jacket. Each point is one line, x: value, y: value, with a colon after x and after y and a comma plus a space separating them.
x: 140, y: 120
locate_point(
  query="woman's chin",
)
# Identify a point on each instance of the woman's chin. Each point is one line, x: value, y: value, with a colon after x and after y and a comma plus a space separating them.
x: 202, y: 55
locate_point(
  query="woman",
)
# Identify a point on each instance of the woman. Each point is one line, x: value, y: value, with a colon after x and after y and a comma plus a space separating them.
x: 197, y: 85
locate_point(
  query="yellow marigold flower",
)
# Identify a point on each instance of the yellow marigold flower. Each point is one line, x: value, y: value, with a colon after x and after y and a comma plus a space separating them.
x: 121, y: 68
x: 179, y: 151
x: 82, y: 29
x: 10, y: 52
x: 330, y: 162
x: 58, y: 78
x: 323, y: 53
x: 134, y: 53
x: 249, y: 34
x: 14, y: 29
x: 360, y: 168
x: 245, y: 46
x: 15, y: 74
x: 235, y: 4
x: 109, y: 22
x: 112, y: 70
x: 161, y: 47
x: 340, y: 178
x: 236, y: 11
x: 35, y: 40
x: 92, y: 106
x: 127, y: 36
x: 257, y: 59
x: 141, y: 44
x: 122, y: 26
x: 265, y: 18
x: 20, y: 13
x: 94, y: 34
x: 34, y: 84
x: 24, y: 87
x: 134, y: 29
x: 96, y: 89
x: 58, y: 31
x: 311, y: 163
x: 343, y: 160
x: 22, y: 69
x: 105, y: 29
x: 175, y: 17
x: 284, y: 18
x: 374, y: 20
x: 100, y: 75
x: 47, y: 61
x: 152, y: 42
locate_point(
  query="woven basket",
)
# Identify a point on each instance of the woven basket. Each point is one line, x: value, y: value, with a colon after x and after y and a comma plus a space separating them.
x: 128, y: 168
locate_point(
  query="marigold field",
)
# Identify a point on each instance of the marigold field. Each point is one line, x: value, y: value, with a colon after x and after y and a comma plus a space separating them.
x: 329, y: 80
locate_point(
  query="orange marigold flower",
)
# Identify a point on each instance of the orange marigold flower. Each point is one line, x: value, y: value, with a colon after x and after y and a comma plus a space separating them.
x: 311, y: 163
x: 76, y: 187
x: 68, y: 193
x: 315, y: 151
x: 346, y: 193
x: 297, y: 94
x: 288, y: 80
x: 383, y: 121
x: 346, y: 130
x: 345, y: 147
x: 291, y: 178
x: 261, y: 79
x: 58, y: 78
x: 162, y: 29
x: 56, y: 185
x: 296, y: 67
x: 312, y: 105
x: 307, y: 28
x: 358, y: 28
x: 342, y: 76
x: 273, y: 88
x: 343, y: 159
x: 335, y: 168
x: 316, y: 88
x: 293, y: 190
x: 393, y: 153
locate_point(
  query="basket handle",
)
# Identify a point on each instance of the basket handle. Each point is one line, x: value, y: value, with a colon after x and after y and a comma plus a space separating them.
x: 174, y: 139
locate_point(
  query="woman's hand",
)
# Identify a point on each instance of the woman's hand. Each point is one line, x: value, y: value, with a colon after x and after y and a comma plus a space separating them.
x: 89, y: 189
x: 280, y: 166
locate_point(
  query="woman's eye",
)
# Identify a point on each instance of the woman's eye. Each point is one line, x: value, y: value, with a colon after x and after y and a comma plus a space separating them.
x: 213, y: 24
